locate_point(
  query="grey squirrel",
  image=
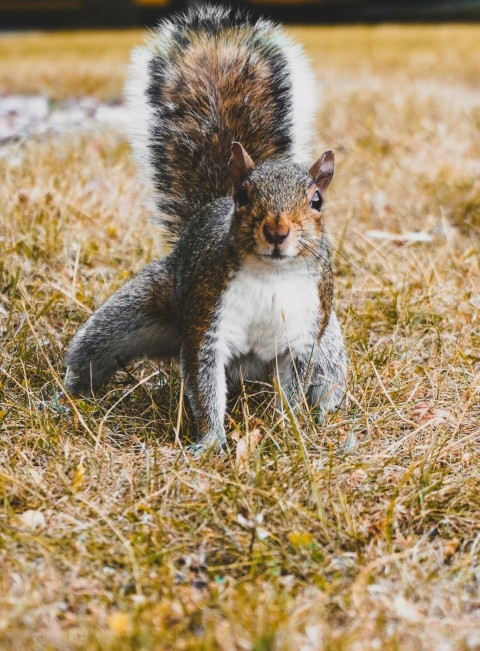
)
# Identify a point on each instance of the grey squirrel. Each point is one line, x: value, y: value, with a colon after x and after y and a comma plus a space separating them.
x: 247, y: 291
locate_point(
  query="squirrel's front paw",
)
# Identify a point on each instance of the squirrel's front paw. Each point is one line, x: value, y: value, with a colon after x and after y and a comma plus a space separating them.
x: 76, y: 382
x: 212, y: 441
x: 196, y: 450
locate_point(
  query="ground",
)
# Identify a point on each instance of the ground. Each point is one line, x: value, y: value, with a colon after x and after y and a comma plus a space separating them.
x: 360, y: 533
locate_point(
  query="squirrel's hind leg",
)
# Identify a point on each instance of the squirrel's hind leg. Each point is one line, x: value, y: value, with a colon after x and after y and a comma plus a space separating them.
x: 317, y: 373
x: 138, y: 321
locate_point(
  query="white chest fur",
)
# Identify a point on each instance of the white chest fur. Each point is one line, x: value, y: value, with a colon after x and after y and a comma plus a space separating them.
x: 267, y: 310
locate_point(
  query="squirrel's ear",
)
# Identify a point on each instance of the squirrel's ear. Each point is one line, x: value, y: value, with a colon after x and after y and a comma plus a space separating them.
x: 239, y: 166
x: 322, y: 170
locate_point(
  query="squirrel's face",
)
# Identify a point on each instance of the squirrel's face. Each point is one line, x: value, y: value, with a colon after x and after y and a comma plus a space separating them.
x: 278, y: 206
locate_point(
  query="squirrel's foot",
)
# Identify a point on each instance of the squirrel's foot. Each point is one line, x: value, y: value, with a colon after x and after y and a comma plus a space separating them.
x: 58, y: 403
x: 319, y: 416
x: 79, y: 384
x: 213, y: 441
x: 328, y: 404
x: 196, y: 450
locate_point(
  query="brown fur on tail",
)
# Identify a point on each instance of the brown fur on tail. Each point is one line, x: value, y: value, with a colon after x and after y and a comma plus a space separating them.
x: 206, y: 79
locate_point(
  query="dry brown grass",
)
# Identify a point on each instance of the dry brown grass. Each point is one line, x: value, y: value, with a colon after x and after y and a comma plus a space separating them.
x: 64, y: 65
x: 373, y: 534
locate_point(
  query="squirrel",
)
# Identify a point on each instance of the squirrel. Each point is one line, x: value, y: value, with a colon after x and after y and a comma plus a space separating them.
x: 246, y: 293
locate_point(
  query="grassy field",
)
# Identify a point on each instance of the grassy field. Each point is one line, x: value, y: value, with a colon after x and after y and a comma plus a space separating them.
x: 362, y: 534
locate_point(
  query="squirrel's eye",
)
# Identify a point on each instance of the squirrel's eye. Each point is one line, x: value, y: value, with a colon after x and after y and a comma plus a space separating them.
x: 241, y: 197
x: 316, y: 201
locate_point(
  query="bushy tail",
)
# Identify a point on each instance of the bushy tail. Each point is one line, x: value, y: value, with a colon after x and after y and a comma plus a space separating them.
x: 203, y: 80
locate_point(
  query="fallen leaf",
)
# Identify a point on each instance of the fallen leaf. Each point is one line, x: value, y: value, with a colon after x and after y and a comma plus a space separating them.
x: 78, y: 477
x: 406, y: 610
x: 424, y: 413
x: 245, y: 446
x: 451, y: 547
x: 32, y: 520
x: 112, y: 230
x: 300, y: 538
x: 354, y: 480
x: 120, y: 624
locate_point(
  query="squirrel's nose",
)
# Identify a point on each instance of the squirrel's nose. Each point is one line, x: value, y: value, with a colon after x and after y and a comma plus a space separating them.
x: 275, y: 235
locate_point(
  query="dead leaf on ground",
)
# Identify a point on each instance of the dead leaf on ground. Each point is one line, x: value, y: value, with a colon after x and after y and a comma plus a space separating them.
x: 425, y: 413
x: 78, y: 477
x: 450, y: 548
x: 32, y: 520
x: 406, y: 610
x: 245, y: 446
x: 120, y: 624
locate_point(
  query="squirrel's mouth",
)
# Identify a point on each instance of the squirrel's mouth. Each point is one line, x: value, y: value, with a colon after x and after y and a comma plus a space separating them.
x: 276, y: 254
